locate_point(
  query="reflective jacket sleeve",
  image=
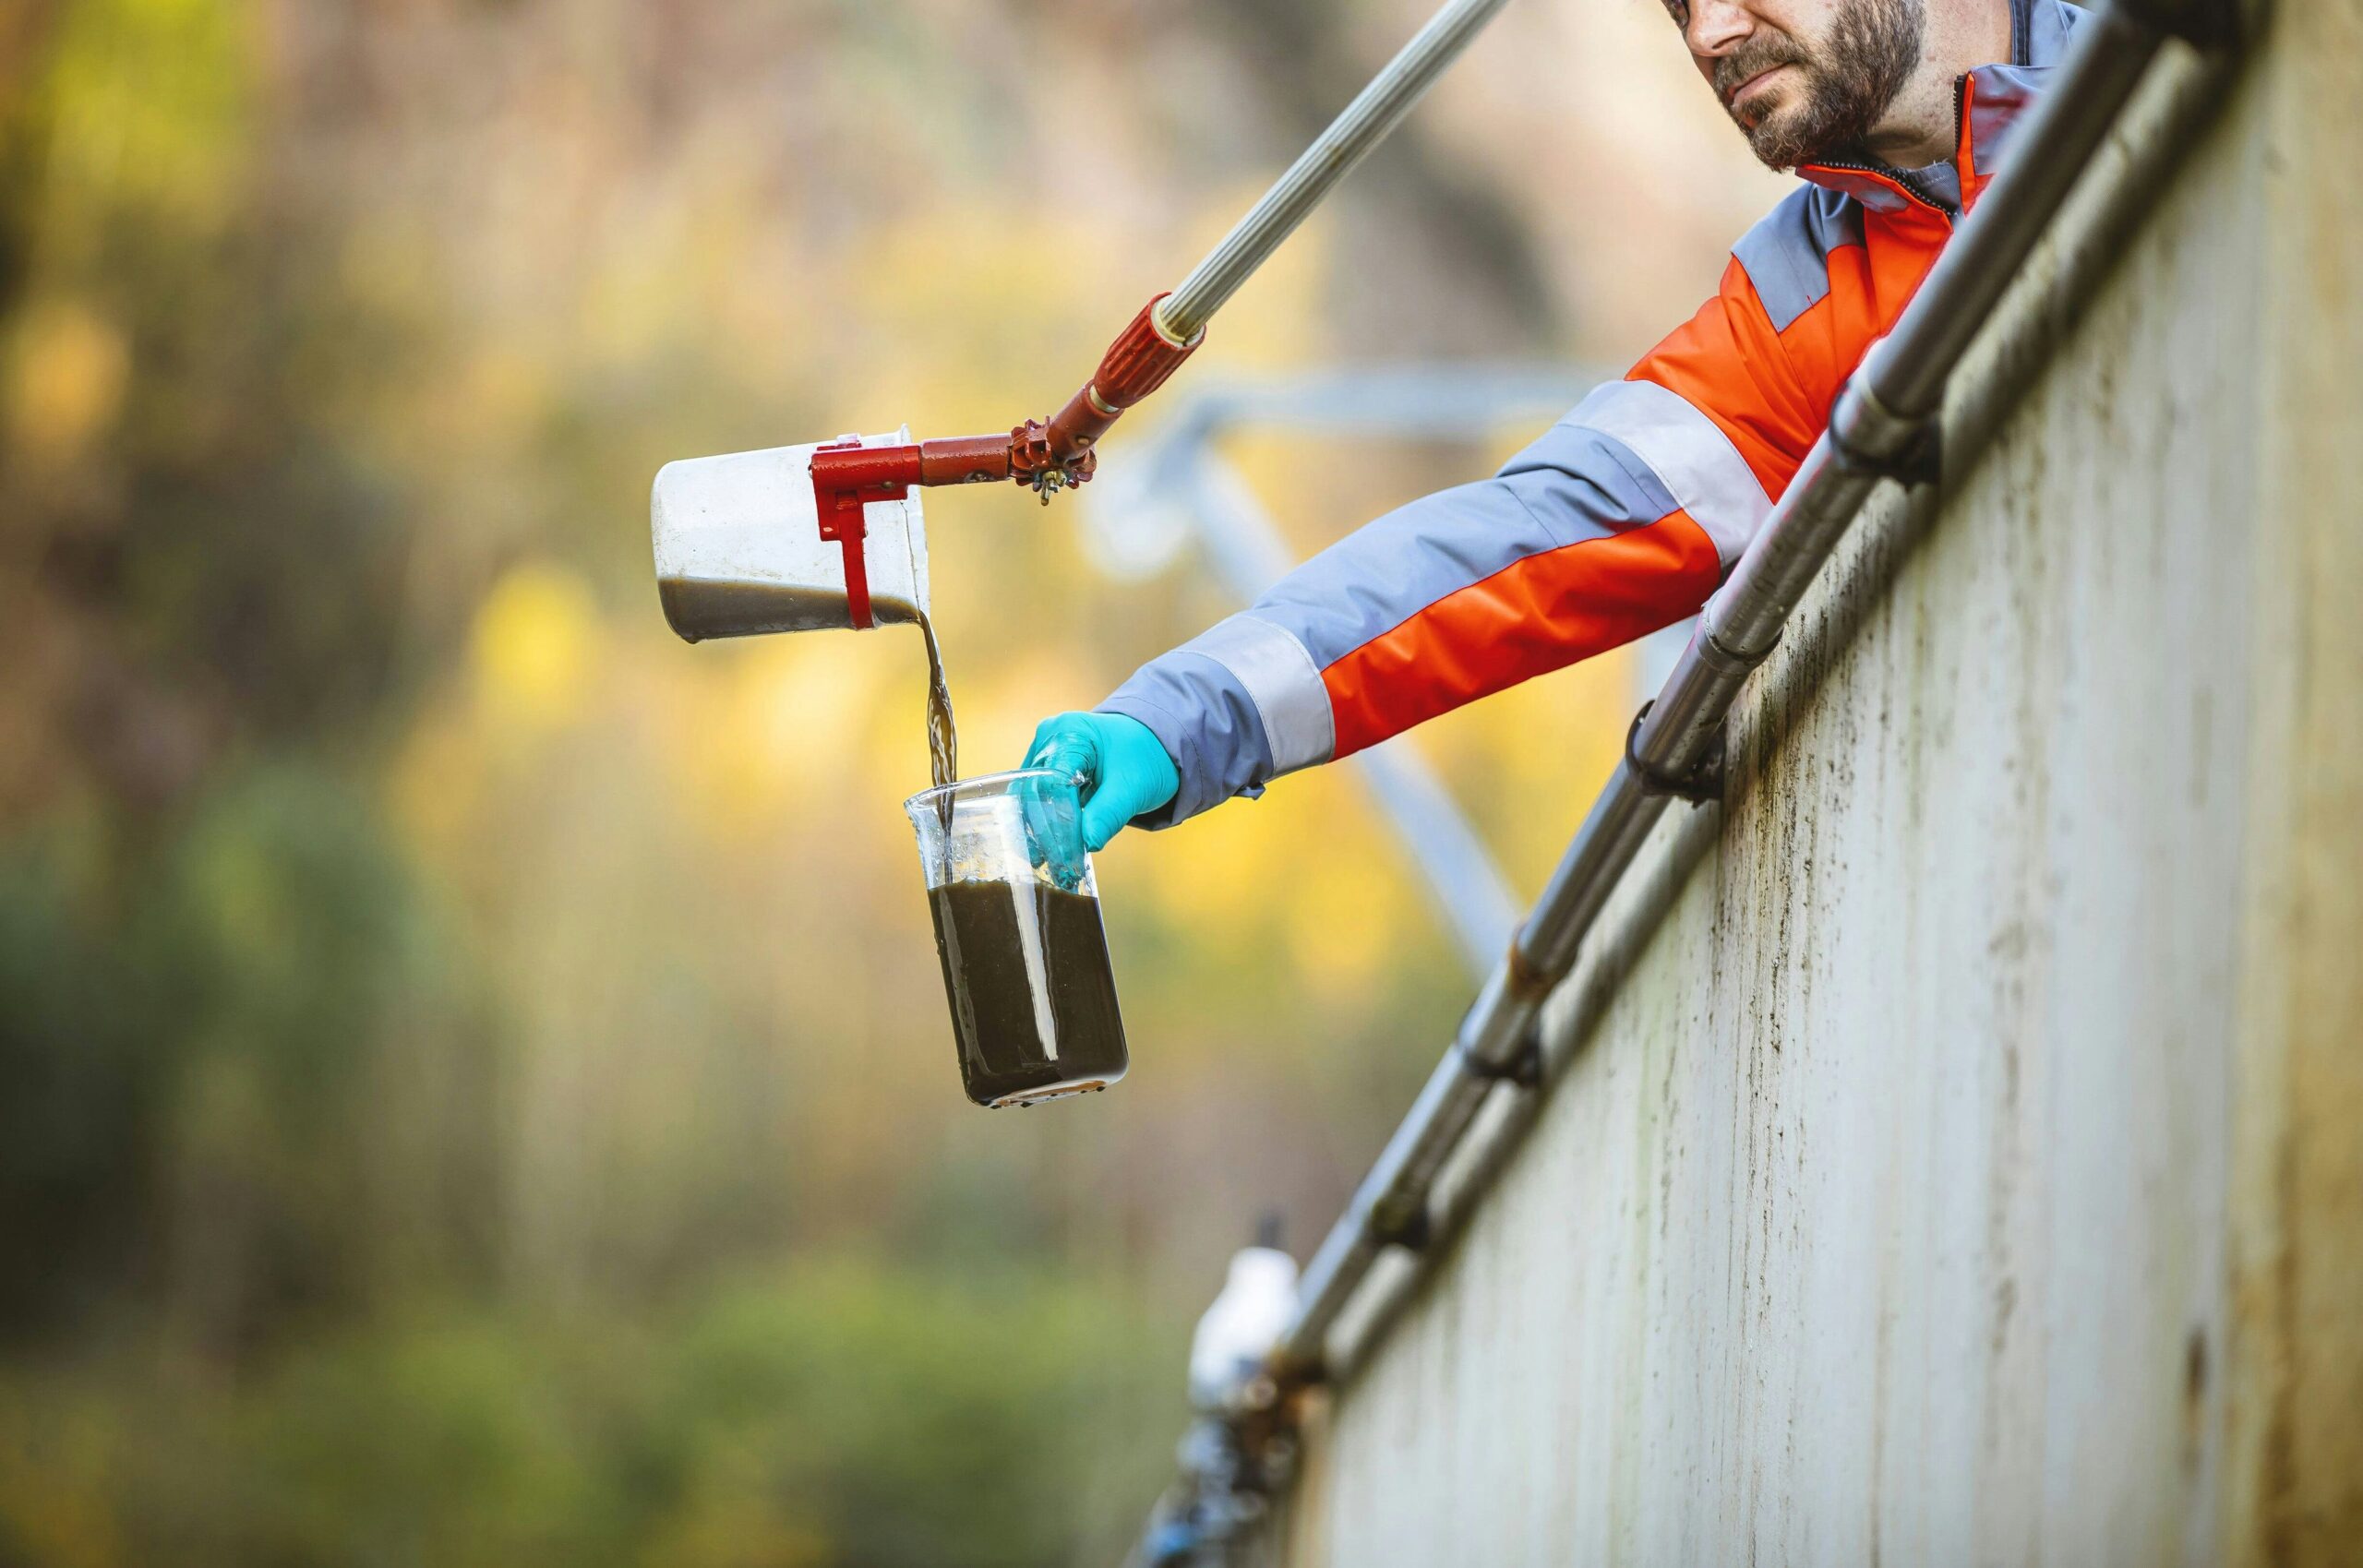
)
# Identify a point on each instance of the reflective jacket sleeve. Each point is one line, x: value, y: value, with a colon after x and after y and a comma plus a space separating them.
x: 1621, y: 519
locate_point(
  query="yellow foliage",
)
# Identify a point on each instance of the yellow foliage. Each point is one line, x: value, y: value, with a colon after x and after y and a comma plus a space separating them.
x: 776, y: 722
x: 1211, y: 877
x: 54, y: 1508
x: 997, y: 711
x: 739, y: 1532
x: 500, y: 395
x: 1277, y: 320
x: 65, y: 381
x: 151, y: 108
x: 533, y: 646
x: 436, y: 786
x: 1343, y: 918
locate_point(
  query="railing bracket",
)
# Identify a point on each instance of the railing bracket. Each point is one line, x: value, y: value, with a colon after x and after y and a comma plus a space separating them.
x: 1402, y: 1224
x: 1865, y: 437
x: 1524, y: 1067
x: 1701, y: 785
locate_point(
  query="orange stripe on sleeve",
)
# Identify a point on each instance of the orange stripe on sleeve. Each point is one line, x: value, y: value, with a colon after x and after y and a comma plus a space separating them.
x: 1538, y: 615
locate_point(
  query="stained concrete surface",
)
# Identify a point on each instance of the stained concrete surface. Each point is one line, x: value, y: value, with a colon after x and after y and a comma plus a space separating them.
x: 1970, y: 1168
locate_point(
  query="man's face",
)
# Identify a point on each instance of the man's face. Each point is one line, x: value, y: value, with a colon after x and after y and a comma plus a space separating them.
x: 1803, y: 79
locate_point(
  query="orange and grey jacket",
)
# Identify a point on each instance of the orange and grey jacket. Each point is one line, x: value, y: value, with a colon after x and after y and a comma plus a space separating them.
x: 1623, y: 518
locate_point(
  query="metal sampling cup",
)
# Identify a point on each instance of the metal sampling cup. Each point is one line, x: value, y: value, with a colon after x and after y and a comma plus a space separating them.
x: 1018, y: 926
x: 739, y: 550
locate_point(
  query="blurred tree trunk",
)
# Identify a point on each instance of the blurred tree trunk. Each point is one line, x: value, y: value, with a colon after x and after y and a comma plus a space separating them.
x: 24, y: 27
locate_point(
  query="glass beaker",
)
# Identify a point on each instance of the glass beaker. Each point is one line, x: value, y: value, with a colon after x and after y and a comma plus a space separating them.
x: 1018, y: 926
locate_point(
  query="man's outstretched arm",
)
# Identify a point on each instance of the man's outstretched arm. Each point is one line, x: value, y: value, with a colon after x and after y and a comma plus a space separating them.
x: 1619, y: 520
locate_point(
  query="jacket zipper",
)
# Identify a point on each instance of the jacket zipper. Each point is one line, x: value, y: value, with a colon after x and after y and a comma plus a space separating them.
x: 1909, y: 186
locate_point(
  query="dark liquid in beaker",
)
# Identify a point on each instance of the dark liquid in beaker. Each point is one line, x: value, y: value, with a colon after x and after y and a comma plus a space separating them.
x: 1028, y: 1030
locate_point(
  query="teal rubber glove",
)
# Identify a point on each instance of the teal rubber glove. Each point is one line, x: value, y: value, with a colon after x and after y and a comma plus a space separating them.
x: 1122, y: 765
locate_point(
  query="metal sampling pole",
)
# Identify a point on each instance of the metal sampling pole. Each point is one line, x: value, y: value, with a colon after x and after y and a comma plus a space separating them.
x: 1061, y: 453
x: 1363, y: 124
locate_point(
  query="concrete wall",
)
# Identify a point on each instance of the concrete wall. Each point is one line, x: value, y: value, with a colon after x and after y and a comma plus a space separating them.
x: 1968, y: 1168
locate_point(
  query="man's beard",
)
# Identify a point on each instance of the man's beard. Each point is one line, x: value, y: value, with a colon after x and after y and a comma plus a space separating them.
x: 1873, y: 47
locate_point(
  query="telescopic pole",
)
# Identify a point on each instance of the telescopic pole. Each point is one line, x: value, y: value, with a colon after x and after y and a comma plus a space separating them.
x: 1050, y: 455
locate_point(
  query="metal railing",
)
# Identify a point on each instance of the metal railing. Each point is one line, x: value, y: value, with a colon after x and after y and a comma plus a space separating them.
x: 1885, y: 416
x: 1884, y: 424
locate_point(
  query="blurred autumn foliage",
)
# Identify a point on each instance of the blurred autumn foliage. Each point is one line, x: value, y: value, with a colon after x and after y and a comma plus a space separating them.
x: 472, y: 1079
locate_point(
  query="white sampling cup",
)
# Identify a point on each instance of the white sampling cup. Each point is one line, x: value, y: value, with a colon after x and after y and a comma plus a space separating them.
x: 740, y: 551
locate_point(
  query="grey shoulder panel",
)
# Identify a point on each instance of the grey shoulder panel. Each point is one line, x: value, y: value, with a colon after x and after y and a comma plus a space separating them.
x: 1787, y: 255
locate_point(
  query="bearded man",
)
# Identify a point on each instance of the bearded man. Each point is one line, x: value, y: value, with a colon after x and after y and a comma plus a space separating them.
x: 1624, y: 516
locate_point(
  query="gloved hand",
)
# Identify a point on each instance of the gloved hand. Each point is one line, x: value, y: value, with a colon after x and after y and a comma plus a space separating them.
x: 1124, y: 769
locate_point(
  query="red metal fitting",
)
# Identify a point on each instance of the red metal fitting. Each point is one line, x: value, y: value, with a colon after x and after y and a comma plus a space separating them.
x: 964, y: 460
x: 847, y: 476
x: 1047, y: 457
x: 1034, y: 461
x: 1136, y: 365
x: 1140, y: 359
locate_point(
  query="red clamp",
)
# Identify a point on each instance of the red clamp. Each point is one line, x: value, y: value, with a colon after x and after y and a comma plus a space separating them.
x: 847, y: 476
x: 1044, y: 457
